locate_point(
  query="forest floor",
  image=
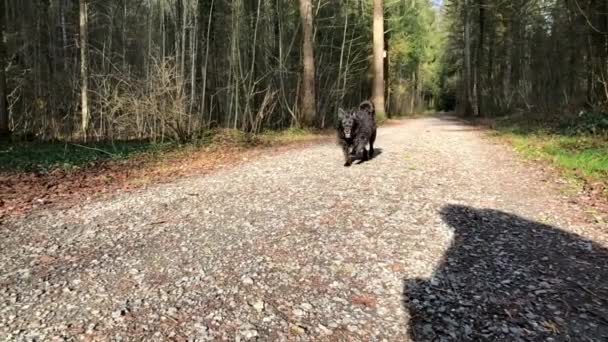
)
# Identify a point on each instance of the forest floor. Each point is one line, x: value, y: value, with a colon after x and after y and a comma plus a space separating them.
x: 447, y: 234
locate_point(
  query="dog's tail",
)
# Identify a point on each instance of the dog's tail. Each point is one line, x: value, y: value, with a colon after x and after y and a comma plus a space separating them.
x: 368, y: 106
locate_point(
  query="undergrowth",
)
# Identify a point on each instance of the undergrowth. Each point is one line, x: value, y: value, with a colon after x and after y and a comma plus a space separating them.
x: 577, y: 144
x: 47, y: 156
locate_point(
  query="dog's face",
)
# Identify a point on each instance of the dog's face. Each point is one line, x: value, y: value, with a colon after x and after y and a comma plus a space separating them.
x: 348, y: 122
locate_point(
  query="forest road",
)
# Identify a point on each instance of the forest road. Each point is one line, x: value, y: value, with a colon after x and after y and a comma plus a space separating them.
x: 445, y: 235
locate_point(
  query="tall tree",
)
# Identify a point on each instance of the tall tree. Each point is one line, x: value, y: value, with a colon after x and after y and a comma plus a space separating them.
x: 378, y: 63
x: 308, y: 110
x: 545, y: 57
x: 173, y: 67
x: 84, y: 67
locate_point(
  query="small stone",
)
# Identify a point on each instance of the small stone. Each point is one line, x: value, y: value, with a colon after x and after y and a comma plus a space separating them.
x: 531, y: 316
x: 467, y: 330
x: 258, y: 305
x: 117, y: 314
x: 201, y: 328
x: 248, y: 331
x: 306, y: 306
x: 249, y: 334
x: 91, y: 328
x: 296, y: 329
x: 247, y: 281
x: 324, y: 330
x: 299, y: 312
x: 515, y: 330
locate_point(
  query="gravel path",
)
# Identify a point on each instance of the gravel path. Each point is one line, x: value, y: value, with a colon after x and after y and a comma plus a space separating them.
x: 443, y: 236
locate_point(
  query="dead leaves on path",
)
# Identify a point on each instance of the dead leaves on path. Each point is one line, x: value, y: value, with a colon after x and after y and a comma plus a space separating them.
x: 21, y: 192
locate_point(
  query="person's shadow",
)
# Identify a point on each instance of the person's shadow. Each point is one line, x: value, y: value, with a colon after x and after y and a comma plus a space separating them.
x: 505, y: 278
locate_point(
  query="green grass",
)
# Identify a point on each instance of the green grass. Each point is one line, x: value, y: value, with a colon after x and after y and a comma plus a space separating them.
x: 579, y: 152
x: 287, y: 134
x: 47, y: 156
x: 43, y: 157
x: 583, y: 156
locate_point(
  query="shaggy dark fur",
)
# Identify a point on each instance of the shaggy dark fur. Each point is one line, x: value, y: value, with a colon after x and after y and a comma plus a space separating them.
x: 356, y: 129
x: 369, y: 107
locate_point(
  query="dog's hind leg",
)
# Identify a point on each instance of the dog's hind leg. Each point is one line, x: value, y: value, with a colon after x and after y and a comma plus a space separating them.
x: 361, y: 151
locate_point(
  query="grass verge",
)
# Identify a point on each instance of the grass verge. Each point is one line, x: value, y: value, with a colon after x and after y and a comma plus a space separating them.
x: 45, y: 157
x: 580, y: 154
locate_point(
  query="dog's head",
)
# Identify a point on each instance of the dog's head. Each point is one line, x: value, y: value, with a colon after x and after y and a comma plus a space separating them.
x: 347, y: 122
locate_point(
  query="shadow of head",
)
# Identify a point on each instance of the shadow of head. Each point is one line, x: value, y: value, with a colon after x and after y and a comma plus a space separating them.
x: 505, y: 278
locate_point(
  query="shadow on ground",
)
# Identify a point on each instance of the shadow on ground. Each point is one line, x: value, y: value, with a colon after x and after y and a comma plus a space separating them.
x: 505, y: 278
x: 377, y: 152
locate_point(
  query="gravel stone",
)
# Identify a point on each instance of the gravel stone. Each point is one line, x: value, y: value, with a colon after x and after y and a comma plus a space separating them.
x: 445, y: 235
x: 258, y: 305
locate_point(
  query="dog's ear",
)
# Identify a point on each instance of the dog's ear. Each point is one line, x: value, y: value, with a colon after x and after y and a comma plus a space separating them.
x: 341, y: 113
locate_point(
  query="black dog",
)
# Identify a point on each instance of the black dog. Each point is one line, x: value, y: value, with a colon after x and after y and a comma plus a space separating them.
x: 356, y: 129
x: 369, y: 107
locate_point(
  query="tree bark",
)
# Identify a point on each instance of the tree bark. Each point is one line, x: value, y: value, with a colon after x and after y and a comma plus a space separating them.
x: 378, y: 64
x: 84, y: 67
x: 479, y: 62
x: 468, y: 78
x: 4, y: 131
x: 308, y: 110
x: 64, y: 35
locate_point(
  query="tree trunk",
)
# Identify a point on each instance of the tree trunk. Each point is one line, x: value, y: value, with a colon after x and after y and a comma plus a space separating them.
x: 84, y: 67
x: 64, y: 35
x: 479, y: 62
x: 308, y: 110
x: 387, y: 81
x: 468, y: 78
x: 378, y: 65
x: 4, y: 131
x: 490, y: 70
